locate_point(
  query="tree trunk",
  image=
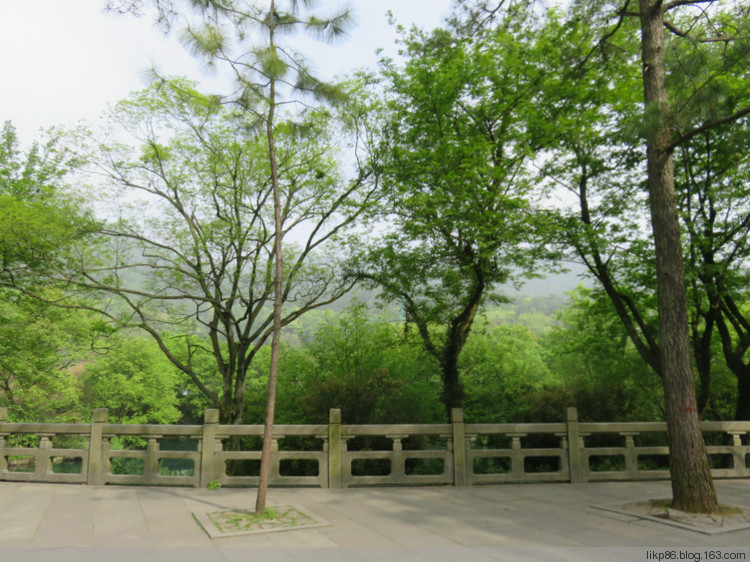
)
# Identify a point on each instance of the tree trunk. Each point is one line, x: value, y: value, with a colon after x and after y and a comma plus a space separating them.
x: 455, y: 339
x: 742, y: 410
x: 692, y: 484
x: 635, y: 326
x: 701, y: 343
x: 265, y: 459
x: 453, y: 392
x: 734, y: 351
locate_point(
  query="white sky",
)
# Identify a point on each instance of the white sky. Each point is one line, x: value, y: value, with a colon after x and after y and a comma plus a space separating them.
x: 65, y: 60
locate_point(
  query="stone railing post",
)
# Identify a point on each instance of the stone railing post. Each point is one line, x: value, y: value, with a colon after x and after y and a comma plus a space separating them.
x: 574, y: 446
x: 151, y: 468
x: 739, y: 467
x: 517, y: 469
x: 459, y: 447
x: 274, y: 469
x: 3, y: 435
x: 43, y: 462
x: 398, y: 468
x: 334, y: 448
x: 209, y: 470
x: 95, y: 467
x: 631, y: 458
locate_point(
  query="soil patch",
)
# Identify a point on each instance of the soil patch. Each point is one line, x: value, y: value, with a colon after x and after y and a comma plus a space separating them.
x: 234, y: 522
x: 729, y: 518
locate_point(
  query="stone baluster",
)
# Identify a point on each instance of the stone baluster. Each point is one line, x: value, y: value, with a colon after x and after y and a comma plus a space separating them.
x: 95, y: 464
x: 398, y: 461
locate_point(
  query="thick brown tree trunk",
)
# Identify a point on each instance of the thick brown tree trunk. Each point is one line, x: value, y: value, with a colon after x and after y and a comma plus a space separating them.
x: 692, y: 484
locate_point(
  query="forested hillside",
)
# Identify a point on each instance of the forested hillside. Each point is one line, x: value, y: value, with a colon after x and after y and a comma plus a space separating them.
x: 525, y: 360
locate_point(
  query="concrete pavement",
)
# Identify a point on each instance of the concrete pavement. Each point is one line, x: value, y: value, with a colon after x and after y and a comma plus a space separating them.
x: 40, y: 522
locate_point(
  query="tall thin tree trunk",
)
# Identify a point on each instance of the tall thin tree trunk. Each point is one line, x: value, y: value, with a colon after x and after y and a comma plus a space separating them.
x: 692, y: 484
x: 265, y: 460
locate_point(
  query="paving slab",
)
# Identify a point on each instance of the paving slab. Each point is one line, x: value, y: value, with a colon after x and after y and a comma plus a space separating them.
x: 60, y: 522
x: 264, y: 554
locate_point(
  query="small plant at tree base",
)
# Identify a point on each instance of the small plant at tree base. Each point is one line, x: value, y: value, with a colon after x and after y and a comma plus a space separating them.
x: 243, y: 520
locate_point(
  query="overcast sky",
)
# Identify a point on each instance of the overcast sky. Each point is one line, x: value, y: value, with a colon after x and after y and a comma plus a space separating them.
x: 65, y: 60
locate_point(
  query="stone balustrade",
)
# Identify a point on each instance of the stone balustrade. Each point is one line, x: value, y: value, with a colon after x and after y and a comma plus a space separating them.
x: 339, y: 455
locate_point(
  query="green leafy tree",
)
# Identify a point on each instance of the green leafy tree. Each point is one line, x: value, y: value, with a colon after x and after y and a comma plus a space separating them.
x: 39, y: 343
x: 672, y: 117
x: 190, y: 259
x: 711, y: 182
x: 264, y: 72
x: 601, y: 163
x: 458, y: 136
x: 692, y: 485
x: 193, y: 252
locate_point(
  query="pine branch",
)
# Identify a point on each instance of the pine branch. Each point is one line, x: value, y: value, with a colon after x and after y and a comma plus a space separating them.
x: 710, y: 125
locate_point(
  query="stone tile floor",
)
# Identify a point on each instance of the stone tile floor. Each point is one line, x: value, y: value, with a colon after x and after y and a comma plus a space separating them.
x: 41, y: 522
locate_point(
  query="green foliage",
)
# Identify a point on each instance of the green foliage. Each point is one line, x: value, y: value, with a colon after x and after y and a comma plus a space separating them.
x: 362, y: 364
x: 39, y: 347
x: 190, y: 260
x: 603, y: 375
x: 192, y: 402
x: 34, y: 175
x: 458, y: 137
x: 457, y: 133
x: 601, y: 160
x: 503, y: 369
x: 712, y: 170
x: 263, y: 70
x: 462, y: 126
x: 38, y: 218
x: 135, y: 381
x: 535, y: 313
x: 39, y: 343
